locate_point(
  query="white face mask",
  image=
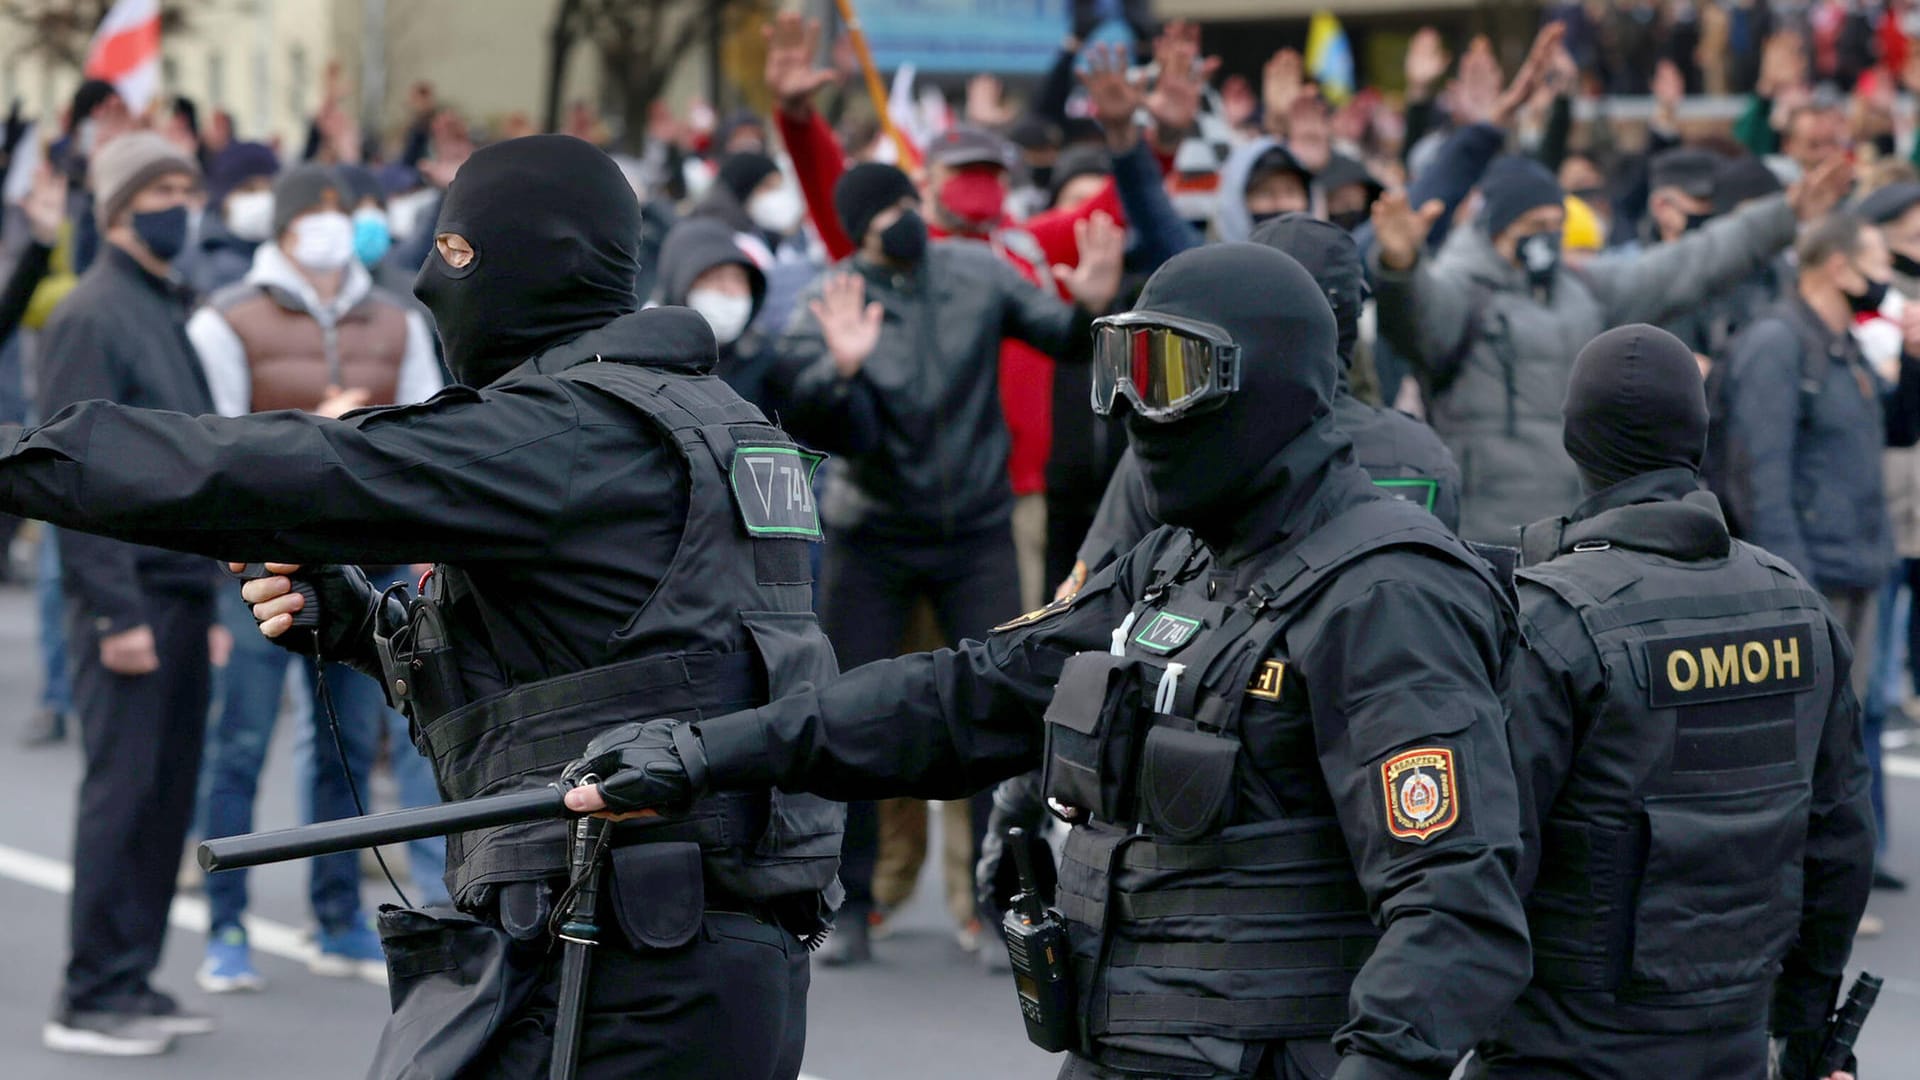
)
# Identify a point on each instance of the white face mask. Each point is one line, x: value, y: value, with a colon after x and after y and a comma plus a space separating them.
x: 249, y: 215
x: 403, y: 212
x: 322, y: 242
x: 726, y: 313
x: 778, y: 211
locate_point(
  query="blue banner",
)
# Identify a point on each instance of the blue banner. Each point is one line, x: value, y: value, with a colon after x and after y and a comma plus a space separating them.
x: 1011, y: 37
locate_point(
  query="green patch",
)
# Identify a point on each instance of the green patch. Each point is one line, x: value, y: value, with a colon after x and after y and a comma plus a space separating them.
x: 773, y: 487
x: 1421, y: 493
x: 1166, y: 632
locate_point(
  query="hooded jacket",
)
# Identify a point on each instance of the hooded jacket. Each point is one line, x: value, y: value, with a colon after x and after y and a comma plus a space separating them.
x: 694, y: 247
x: 271, y: 343
x: 1495, y: 360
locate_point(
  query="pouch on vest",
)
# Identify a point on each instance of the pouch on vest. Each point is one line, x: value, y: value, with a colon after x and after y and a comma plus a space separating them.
x: 1187, y: 782
x: 454, y: 981
x: 659, y: 894
x: 1722, y: 891
x: 1092, y: 735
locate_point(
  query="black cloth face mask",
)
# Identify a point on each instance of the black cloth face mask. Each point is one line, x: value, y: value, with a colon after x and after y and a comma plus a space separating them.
x: 1207, y: 470
x: 1868, y: 301
x: 906, y: 239
x: 1540, y: 257
x: 1906, y: 264
x: 555, y: 230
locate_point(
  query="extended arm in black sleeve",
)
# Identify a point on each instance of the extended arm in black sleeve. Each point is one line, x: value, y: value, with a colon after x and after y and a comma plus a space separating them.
x: 937, y: 725
x: 468, y: 476
x: 1838, y: 868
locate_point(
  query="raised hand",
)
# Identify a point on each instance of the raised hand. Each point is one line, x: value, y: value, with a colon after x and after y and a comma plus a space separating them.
x: 1114, y: 95
x: 1532, y: 70
x: 792, y: 43
x: 45, y: 205
x: 986, y: 102
x: 848, y: 324
x: 1476, y: 89
x: 1400, y: 230
x: 1821, y: 190
x: 1669, y: 86
x: 1783, y: 65
x: 1175, y: 100
x: 1281, y: 82
x: 1426, y: 64
x: 1095, y: 280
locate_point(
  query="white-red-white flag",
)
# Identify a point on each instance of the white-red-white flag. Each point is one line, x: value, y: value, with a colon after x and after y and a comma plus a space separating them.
x: 125, y: 51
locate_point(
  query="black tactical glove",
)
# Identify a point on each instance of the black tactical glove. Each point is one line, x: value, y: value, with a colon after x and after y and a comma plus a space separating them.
x: 347, y: 604
x: 1799, y: 1056
x: 1017, y: 803
x: 656, y: 765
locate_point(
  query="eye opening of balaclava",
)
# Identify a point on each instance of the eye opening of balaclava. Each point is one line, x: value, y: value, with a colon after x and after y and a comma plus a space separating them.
x: 1204, y: 470
x: 555, y: 231
x: 1635, y: 405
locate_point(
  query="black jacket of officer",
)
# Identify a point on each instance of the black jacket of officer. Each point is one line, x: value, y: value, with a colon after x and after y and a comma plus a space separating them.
x: 568, y: 492
x: 1700, y: 844
x: 1277, y: 716
x: 1402, y: 455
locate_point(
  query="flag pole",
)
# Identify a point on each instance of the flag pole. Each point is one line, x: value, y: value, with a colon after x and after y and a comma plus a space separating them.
x: 875, y: 88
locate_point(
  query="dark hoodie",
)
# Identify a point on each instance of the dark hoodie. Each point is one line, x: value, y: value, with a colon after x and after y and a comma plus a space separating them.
x: 692, y: 248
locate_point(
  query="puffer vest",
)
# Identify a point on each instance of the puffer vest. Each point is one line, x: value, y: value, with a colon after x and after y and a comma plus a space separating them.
x: 293, y: 357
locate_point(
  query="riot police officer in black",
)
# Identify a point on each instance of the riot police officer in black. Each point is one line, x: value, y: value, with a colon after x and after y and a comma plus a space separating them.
x: 1274, y: 723
x: 1700, y: 844
x: 611, y: 525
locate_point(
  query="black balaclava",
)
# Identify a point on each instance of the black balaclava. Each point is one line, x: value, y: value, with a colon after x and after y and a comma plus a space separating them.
x: 1208, y: 470
x: 1326, y: 251
x: 555, y: 230
x: 1635, y: 405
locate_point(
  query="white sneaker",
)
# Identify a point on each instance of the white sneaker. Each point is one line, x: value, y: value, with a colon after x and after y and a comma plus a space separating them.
x: 105, y: 1035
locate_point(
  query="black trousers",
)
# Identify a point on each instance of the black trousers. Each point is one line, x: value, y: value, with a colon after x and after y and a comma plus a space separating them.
x: 1298, y: 1060
x: 868, y: 587
x: 729, y: 1005
x: 141, y: 736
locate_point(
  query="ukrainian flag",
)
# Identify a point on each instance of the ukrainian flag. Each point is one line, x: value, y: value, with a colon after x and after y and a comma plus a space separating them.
x: 1330, y: 57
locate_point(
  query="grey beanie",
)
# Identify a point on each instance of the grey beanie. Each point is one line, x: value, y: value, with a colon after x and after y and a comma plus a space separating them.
x: 298, y: 190
x: 122, y: 167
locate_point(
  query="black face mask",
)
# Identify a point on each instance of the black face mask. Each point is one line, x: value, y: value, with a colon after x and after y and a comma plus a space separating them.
x: 1694, y: 221
x: 1041, y: 175
x: 1207, y: 471
x: 164, y: 232
x: 555, y: 231
x: 1906, y: 264
x: 1539, y: 255
x: 1868, y: 301
x: 905, y: 240
x: 1349, y: 219
x: 1262, y: 219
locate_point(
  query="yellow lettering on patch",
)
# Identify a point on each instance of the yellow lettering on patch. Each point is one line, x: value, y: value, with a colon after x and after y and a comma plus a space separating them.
x: 1731, y: 664
x: 1266, y: 680
x: 1675, y: 660
x: 1721, y: 669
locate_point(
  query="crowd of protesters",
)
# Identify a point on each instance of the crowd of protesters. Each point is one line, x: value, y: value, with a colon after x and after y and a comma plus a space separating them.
x: 915, y: 301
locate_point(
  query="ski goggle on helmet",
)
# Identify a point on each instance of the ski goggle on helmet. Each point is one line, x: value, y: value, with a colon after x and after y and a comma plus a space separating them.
x: 1168, y: 367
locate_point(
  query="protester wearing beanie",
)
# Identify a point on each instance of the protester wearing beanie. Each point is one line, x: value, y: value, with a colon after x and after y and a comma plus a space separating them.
x: 306, y: 330
x: 1492, y: 321
x: 1687, y: 700
x: 239, y: 216
x: 918, y: 501
x: 138, y: 616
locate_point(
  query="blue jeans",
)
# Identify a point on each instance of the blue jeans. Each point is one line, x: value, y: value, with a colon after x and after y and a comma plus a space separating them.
x: 56, y: 687
x: 241, y: 733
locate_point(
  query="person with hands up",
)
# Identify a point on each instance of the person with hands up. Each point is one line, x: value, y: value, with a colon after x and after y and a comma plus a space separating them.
x: 1492, y: 322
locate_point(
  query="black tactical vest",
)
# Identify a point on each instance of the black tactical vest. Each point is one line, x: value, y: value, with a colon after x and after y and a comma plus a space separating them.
x: 1203, y: 929
x: 729, y: 627
x: 1670, y: 874
x: 1402, y: 456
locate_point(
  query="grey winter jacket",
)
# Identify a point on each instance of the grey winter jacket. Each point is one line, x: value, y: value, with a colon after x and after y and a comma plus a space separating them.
x: 1494, y: 359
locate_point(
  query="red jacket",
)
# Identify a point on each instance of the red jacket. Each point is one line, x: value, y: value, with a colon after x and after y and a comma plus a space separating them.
x: 1026, y: 373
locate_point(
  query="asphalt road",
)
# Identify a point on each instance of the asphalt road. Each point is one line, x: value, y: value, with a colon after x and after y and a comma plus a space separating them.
x: 925, y: 1010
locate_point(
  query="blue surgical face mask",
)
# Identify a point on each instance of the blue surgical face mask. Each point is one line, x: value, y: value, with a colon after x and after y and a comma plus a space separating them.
x: 371, y: 235
x: 164, y: 232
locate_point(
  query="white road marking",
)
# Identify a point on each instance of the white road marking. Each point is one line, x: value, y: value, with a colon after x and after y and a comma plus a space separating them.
x: 188, y: 913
